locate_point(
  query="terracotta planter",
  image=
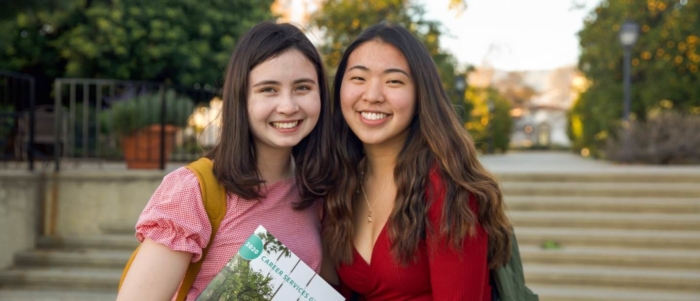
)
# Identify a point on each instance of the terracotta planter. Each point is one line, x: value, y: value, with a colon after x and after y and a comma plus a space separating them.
x: 142, y: 148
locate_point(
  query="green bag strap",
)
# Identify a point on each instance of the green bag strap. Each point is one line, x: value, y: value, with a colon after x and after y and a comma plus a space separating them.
x: 214, y: 198
x: 510, y: 278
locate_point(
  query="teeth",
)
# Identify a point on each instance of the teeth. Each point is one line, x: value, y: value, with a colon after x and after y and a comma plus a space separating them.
x: 285, y: 125
x: 373, y: 116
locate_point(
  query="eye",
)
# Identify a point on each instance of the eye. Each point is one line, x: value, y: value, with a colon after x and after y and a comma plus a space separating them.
x: 267, y: 90
x: 395, y: 81
x: 357, y: 78
x: 303, y: 88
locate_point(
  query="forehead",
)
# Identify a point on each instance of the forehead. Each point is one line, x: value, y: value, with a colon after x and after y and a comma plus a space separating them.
x: 378, y: 56
x: 288, y: 64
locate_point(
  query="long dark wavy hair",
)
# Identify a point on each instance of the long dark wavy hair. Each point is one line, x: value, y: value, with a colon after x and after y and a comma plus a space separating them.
x: 235, y: 154
x: 436, y: 138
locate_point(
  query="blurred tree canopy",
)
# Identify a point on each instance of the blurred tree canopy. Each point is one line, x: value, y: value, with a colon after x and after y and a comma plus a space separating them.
x: 664, y: 66
x: 340, y: 21
x: 490, y: 121
x: 182, y: 42
x: 514, y: 88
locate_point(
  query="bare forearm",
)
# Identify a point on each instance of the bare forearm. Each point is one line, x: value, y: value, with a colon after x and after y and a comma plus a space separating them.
x: 155, y: 273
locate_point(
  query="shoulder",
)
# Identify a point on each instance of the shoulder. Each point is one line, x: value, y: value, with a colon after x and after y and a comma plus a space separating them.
x: 436, y: 186
x: 181, y: 178
x: 436, y: 194
x: 175, y: 215
x: 181, y: 183
x: 178, y: 194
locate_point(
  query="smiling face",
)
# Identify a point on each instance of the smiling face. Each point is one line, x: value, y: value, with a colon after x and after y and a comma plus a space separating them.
x: 377, y: 94
x: 284, y: 102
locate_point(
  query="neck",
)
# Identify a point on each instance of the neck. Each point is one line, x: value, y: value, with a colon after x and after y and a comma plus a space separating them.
x: 274, y: 164
x: 381, y: 160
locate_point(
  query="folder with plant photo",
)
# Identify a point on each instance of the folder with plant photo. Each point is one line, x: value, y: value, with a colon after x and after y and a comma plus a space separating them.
x: 264, y: 269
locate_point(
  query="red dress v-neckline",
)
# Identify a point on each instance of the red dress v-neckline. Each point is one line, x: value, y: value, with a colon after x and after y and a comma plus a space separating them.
x: 374, y: 247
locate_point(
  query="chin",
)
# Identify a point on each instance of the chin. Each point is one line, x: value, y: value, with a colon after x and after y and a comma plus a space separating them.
x: 371, y: 141
x: 287, y: 143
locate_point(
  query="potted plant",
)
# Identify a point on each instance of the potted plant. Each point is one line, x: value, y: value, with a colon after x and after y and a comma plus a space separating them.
x: 137, y: 122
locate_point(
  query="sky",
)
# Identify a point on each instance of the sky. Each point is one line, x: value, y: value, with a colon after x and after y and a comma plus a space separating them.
x: 512, y: 34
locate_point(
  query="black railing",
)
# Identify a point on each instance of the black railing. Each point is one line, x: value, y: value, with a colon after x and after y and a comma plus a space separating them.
x: 17, y: 118
x: 96, y: 120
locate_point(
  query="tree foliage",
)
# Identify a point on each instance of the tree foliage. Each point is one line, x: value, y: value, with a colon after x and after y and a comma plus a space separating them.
x: 664, y: 66
x: 183, y: 42
x: 490, y: 119
x: 340, y: 21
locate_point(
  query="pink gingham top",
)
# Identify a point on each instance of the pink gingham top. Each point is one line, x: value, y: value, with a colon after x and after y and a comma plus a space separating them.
x: 175, y: 217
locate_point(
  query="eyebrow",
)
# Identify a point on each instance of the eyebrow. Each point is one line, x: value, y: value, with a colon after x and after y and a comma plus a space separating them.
x: 276, y: 83
x: 390, y: 70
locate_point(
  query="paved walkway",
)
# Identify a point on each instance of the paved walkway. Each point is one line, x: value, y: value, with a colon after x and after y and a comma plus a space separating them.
x: 512, y: 162
x: 555, y: 162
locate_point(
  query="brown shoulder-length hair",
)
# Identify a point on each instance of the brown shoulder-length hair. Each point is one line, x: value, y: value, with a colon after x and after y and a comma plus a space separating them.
x: 235, y: 154
x: 436, y: 138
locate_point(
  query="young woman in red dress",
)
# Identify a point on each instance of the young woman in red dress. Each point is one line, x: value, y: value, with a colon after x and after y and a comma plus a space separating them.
x: 413, y: 215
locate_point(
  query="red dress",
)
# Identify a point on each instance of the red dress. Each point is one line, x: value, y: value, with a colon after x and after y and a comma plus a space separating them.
x: 439, y: 274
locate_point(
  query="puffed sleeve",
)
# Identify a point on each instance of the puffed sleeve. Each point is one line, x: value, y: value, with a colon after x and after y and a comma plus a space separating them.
x: 175, y: 215
x: 460, y: 274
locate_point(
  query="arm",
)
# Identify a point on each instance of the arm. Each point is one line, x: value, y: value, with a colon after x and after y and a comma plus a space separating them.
x: 459, y: 274
x: 155, y: 274
x: 173, y: 229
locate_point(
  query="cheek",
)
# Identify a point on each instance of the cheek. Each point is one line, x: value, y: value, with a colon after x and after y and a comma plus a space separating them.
x: 258, y: 109
x: 405, y: 101
x: 312, y: 104
x: 348, y: 96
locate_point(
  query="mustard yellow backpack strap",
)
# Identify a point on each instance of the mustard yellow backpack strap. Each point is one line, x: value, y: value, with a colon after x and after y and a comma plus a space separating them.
x: 214, y: 198
x: 127, y: 267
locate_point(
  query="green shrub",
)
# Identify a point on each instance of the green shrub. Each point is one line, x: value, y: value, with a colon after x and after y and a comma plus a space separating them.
x: 664, y: 138
x: 130, y: 115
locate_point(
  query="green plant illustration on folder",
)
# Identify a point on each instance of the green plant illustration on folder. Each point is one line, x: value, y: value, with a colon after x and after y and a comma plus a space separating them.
x: 265, y: 269
x: 237, y: 281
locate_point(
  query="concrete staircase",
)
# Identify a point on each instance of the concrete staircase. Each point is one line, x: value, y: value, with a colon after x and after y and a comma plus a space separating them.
x: 75, y: 269
x: 620, y: 236
x: 610, y: 236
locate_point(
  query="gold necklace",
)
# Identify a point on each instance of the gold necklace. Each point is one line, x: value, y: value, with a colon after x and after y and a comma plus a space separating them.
x: 369, y: 206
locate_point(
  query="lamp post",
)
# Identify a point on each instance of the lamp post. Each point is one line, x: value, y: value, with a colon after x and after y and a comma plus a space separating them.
x: 629, y: 32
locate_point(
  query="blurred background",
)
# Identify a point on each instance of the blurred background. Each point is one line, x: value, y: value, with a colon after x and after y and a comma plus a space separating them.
x: 587, y: 111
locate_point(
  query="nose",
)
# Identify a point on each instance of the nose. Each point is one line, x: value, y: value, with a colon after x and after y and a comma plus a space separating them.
x: 374, y: 92
x: 287, y: 104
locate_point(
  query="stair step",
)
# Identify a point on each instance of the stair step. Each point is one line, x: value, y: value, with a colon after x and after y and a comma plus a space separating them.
x: 73, y: 258
x: 586, y: 293
x: 661, y: 190
x: 604, y: 276
x: 107, y: 241
x: 663, y: 239
x: 82, y: 279
x: 612, y: 257
x: 602, y: 204
x: 54, y: 295
x: 606, y: 220
x: 608, y: 177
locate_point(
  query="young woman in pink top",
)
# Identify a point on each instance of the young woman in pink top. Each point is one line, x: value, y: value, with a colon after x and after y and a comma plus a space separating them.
x: 414, y: 215
x: 275, y: 124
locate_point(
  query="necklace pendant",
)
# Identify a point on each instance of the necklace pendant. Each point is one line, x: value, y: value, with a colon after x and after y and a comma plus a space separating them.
x: 369, y: 217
